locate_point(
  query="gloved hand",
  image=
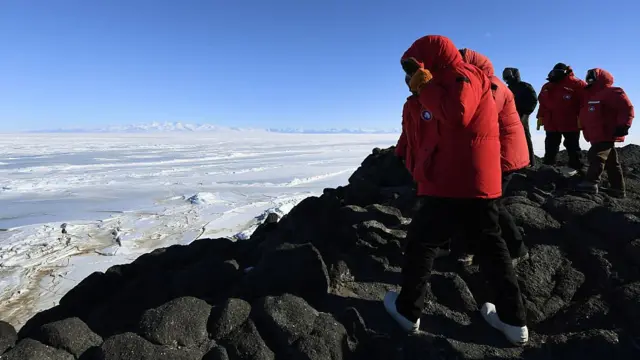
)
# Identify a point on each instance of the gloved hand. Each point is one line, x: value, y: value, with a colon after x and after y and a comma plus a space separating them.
x: 621, y: 131
x: 540, y: 123
x: 410, y: 66
x: 419, y: 79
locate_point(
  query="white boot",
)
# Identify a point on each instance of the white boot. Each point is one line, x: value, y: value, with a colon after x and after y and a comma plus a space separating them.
x: 390, y: 306
x: 517, y: 335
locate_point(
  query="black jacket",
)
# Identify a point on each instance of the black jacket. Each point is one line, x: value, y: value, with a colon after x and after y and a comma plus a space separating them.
x: 526, y: 97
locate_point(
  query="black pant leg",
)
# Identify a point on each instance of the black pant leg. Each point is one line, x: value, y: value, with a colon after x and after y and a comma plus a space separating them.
x: 510, y: 231
x: 524, y: 119
x: 552, y: 142
x: 614, y: 171
x: 431, y: 228
x: 572, y: 144
x: 495, y: 262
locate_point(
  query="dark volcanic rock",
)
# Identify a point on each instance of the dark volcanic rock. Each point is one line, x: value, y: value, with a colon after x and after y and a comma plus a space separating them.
x: 72, y: 335
x: 310, y: 285
x: 129, y: 346
x: 548, y: 282
x: 593, y: 344
x: 530, y: 216
x: 8, y: 336
x: 294, y: 269
x: 29, y: 349
x: 246, y: 343
x: 451, y: 290
x: 284, y: 319
x: 627, y: 303
x: 180, y: 322
x: 328, y: 340
x: 216, y: 353
x: 227, y: 317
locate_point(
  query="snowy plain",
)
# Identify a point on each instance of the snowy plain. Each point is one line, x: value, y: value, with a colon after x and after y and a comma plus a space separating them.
x: 145, y: 191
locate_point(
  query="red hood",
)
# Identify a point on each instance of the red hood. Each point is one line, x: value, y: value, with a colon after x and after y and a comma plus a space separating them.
x: 478, y: 60
x: 603, y: 78
x: 434, y: 52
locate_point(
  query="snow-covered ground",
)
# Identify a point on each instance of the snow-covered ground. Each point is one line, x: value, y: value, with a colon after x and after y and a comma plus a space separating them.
x: 145, y: 191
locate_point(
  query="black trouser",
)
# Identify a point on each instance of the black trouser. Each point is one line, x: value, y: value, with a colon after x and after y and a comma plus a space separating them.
x: 510, y: 231
x: 524, y: 119
x: 604, y: 156
x: 433, y: 226
x: 571, y: 143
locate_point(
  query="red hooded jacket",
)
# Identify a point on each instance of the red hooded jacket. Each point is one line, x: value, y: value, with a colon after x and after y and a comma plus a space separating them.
x: 514, y: 152
x: 560, y: 104
x: 607, y: 107
x: 459, y: 144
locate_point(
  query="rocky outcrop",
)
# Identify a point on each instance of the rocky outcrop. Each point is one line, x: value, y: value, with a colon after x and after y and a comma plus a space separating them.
x: 310, y: 285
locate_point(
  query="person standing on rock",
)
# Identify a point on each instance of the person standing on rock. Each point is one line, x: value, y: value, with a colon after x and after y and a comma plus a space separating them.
x: 458, y: 168
x: 514, y: 152
x: 606, y: 119
x: 560, y: 101
x: 526, y: 100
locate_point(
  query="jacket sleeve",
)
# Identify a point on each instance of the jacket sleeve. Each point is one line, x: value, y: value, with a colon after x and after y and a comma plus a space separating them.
x: 454, y: 101
x: 620, y: 101
x: 542, y: 99
x: 529, y: 98
x: 401, y: 146
x: 580, y: 88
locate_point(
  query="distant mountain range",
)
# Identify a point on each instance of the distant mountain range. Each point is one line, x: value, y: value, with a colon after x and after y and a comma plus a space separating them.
x: 184, y: 127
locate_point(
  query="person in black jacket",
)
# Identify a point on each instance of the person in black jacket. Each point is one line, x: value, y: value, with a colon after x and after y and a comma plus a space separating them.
x: 526, y: 101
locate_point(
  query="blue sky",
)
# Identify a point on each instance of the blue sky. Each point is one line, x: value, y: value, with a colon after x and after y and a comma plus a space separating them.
x: 299, y: 63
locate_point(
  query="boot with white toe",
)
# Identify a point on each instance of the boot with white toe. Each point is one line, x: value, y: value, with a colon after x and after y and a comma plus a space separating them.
x: 390, y: 305
x: 517, y: 335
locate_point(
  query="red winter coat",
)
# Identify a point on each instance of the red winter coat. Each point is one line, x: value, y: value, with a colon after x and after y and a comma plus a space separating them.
x: 607, y: 107
x: 514, y: 152
x: 560, y: 104
x: 459, y: 144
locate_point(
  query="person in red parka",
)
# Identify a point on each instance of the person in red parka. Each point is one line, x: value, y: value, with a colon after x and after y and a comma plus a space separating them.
x: 560, y: 101
x: 606, y: 119
x: 458, y: 169
x: 514, y: 151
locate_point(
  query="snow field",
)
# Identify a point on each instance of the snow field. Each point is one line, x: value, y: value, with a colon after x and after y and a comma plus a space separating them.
x: 122, y: 195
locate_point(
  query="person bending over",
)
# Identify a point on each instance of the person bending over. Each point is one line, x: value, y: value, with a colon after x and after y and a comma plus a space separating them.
x: 458, y: 168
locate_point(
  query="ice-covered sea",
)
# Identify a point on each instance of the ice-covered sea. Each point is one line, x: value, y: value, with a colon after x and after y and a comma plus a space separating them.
x: 145, y: 191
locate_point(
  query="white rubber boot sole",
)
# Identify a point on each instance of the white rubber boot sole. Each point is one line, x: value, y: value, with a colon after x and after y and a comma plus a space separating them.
x: 517, y: 335
x: 390, y: 305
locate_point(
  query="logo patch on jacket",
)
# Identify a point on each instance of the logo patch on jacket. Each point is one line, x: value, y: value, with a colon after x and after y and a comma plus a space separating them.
x: 426, y: 115
x: 567, y: 96
x: 592, y: 108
